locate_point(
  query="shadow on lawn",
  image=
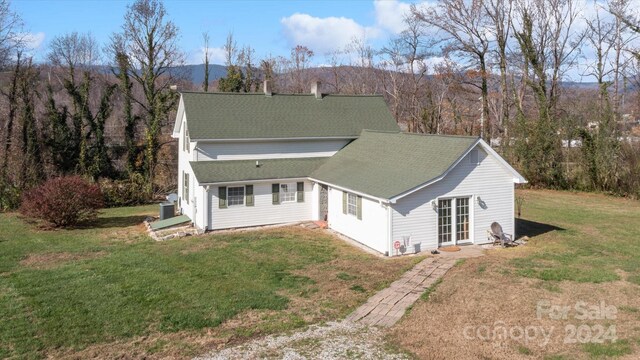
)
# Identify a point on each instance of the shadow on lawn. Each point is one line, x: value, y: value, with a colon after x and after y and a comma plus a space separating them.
x: 531, y: 228
x: 116, y: 221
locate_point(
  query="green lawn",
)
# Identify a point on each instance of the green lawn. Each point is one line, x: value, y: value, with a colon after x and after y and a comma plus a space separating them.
x: 582, y: 248
x: 595, y: 238
x: 65, y: 291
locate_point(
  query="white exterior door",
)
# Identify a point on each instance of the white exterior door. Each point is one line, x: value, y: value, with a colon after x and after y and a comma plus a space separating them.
x: 454, y: 221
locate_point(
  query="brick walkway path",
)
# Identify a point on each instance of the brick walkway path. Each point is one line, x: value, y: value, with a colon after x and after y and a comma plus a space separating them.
x: 387, y: 306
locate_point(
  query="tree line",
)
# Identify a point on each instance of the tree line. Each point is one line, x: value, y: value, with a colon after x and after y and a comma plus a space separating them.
x: 489, y: 68
x: 60, y: 116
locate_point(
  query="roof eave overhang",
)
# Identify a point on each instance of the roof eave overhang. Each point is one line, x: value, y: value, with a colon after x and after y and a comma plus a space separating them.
x: 517, y: 178
x: 178, y: 123
x: 249, y: 181
x: 342, y: 188
x: 277, y: 139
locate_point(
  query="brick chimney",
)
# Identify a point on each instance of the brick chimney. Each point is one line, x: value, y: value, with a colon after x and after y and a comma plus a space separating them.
x: 266, y: 85
x: 315, y: 89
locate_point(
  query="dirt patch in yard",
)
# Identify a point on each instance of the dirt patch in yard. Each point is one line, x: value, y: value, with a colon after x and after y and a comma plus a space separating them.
x: 179, y: 345
x: 51, y: 260
x: 467, y: 314
x: 339, y: 286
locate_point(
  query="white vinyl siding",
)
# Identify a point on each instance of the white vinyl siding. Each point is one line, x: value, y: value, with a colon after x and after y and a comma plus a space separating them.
x: 414, y: 216
x: 268, y: 149
x: 263, y: 212
x: 193, y: 209
x: 371, y: 231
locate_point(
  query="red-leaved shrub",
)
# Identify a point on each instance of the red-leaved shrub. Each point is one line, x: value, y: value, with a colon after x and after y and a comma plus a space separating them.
x: 63, y: 201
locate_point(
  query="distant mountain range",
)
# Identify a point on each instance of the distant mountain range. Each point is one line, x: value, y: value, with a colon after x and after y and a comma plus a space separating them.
x: 196, y: 74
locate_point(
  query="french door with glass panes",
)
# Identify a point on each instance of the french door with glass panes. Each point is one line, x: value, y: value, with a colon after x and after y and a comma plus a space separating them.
x: 454, y: 221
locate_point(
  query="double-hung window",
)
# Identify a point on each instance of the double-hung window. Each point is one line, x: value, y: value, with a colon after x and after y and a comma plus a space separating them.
x: 185, y: 138
x: 288, y: 192
x: 235, y: 195
x: 185, y: 186
x: 352, y: 204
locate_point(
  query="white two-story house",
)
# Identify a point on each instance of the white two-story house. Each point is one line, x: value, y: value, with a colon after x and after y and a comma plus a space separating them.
x: 249, y: 159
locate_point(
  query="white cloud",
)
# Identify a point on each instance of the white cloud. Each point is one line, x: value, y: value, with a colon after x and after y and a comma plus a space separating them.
x: 323, y: 35
x: 216, y: 56
x: 33, y: 41
x: 390, y: 14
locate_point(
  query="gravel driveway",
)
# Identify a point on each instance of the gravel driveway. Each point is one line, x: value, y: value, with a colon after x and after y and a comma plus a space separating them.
x: 334, y: 340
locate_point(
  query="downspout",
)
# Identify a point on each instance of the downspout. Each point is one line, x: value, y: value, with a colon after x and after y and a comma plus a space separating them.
x: 206, y: 205
x: 389, y: 229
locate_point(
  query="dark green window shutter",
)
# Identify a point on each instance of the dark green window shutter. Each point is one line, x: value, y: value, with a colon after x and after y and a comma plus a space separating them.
x: 300, y: 192
x: 275, y: 193
x: 344, y: 202
x: 222, y: 197
x: 359, y: 207
x: 248, y: 195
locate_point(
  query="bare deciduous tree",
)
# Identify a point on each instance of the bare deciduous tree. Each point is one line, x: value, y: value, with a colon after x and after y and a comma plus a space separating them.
x: 230, y: 50
x: 298, y: 64
x: 205, y: 81
x: 11, y: 39
x: 499, y: 13
x: 73, y: 51
x: 465, y: 27
x: 150, y: 41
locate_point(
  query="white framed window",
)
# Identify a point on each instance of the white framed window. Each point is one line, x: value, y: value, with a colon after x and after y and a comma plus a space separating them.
x: 352, y: 204
x: 185, y: 138
x: 288, y: 192
x: 185, y: 186
x: 235, y: 196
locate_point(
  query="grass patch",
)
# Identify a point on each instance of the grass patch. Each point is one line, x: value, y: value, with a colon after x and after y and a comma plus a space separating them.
x: 430, y: 290
x: 345, y: 276
x: 551, y: 286
x: 554, y: 357
x: 481, y: 268
x: 524, y: 350
x: 63, y: 292
x: 635, y: 279
x: 629, y: 309
x: 614, y: 349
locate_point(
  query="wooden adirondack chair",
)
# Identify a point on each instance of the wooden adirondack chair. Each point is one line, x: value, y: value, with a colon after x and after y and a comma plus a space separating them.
x: 498, y: 236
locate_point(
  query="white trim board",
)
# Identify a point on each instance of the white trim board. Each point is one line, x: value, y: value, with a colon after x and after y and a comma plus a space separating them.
x: 277, y: 139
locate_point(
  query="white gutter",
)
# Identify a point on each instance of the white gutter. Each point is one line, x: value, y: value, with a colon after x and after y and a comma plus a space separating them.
x: 278, y: 139
x: 380, y: 200
x: 278, y: 180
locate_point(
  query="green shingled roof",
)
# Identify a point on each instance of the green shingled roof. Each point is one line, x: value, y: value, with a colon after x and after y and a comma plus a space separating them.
x: 386, y: 164
x: 257, y: 116
x: 242, y: 170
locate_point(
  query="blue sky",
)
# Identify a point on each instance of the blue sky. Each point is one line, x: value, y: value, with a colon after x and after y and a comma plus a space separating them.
x: 270, y: 27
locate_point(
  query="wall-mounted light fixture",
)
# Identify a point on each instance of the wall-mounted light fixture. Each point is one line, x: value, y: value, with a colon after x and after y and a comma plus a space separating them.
x: 434, y: 205
x: 479, y: 200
